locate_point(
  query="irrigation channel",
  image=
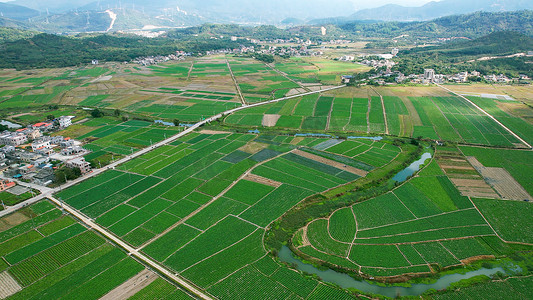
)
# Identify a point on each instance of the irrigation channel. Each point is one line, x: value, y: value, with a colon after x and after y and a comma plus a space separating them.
x: 345, y: 281
x: 412, y: 168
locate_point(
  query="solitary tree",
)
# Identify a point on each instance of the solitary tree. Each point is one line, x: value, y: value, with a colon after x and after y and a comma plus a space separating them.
x: 96, y: 113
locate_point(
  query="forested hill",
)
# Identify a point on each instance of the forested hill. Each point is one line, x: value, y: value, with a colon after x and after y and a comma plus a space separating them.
x: 495, y: 44
x: 455, y: 56
x: 471, y: 25
x: 48, y: 51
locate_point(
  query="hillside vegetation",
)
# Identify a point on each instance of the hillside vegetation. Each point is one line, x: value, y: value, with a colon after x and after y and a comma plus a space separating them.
x: 460, y: 55
x: 47, y: 50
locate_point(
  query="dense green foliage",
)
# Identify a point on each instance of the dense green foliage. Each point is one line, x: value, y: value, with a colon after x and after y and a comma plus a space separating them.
x: 12, y: 34
x: 470, y: 25
x: 46, y: 50
x: 459, y: 55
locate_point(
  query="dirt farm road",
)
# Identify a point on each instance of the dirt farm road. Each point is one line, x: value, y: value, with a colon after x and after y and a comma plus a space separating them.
x: 48, y: 193
x: 489, y: 115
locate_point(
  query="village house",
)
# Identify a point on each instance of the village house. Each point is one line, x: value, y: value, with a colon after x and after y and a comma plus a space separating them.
x: 30, y: 133
x: 12, y: 138
x: 79, y: 163
x: 346, y: 78
x: 44, y: 177
x: 40, y: 144
x: 43, y: 126
x: 72, y: 150
x: 65, y: 121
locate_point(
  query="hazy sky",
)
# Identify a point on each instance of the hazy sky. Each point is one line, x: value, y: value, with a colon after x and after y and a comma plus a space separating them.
x: 360, y: 4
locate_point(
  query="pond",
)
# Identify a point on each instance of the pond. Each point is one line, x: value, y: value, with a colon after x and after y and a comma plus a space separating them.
x: 10, y: 124
x: 164, y: 123
x: 414, y: 167
x: 345, y: 281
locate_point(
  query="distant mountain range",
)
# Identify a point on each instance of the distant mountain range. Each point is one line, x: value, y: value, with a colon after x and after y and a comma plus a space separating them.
x: 429, y: 11
x: 16, y: 12
x: 73, y: 16
x: 228, y: 11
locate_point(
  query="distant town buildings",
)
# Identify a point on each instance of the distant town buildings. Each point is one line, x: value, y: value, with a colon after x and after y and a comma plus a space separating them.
x: 347, y: 58
x: 429, y: 74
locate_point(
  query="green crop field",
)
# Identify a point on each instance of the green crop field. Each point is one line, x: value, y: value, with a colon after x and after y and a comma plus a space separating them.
x: 419, y: 223
x: 165, y: 198
x: 216, y: 206
x: 51, y: 255
x: 144, y: 197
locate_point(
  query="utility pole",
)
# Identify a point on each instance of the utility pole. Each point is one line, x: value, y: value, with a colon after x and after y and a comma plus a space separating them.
x: 62, y: 208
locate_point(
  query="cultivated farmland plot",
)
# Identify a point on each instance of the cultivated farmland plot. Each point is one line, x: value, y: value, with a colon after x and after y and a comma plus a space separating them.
x: 176, y: 200
x: 53, y: 256
x: 405, y: 230
x: 432, y: 117
x: 202, y: 205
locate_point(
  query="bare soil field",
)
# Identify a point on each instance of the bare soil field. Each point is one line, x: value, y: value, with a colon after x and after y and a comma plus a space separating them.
x: 501, y: 181
x: 253, y: 147
x: 270, y: 120
x: 262, y: 180
x: 132, y: 286
x: 12, y: 220
x: 8, y: 285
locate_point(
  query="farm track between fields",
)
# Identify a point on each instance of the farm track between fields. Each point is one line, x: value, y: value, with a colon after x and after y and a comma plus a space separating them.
x: 243, y: 101
x: 202, y: 207
x: 384, y: 111
x: 287, y: 77
x: 47, y: 193
x: 489, y: 115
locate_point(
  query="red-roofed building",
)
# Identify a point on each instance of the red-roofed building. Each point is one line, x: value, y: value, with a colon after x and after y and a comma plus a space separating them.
x: 43, y: 126
x: 5, y: 184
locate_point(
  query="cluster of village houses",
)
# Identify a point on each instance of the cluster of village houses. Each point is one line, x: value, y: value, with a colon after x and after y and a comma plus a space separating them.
x: 32, y: 154
x: 378, y: 61
x: 290, y: 47
x: 154, y: 60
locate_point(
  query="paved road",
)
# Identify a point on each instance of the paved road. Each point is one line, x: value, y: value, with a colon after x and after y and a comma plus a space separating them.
x: 47, y: 192
x: 190, y: 287
x: 489, y: 115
